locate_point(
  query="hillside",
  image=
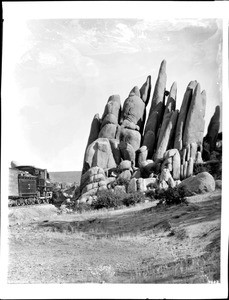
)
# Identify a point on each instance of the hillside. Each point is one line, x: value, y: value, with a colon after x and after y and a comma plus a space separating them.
x: 141, y: 244
x: 67, y: 177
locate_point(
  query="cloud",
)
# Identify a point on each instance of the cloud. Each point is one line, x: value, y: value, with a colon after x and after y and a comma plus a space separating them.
x: 69, y: 68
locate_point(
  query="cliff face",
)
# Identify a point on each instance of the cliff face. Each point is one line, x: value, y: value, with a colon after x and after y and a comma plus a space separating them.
x: 157, y: 152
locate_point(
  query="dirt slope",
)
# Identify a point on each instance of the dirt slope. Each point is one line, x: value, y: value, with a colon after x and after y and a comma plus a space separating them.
x: 140, y: 244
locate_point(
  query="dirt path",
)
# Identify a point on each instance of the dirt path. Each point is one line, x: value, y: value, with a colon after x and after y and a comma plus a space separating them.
x: 139, y: 244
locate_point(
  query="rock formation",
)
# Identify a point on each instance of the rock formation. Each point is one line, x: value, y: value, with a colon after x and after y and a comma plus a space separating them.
x: 213, y: 130
x: 156, y: 111
x: 159, y: 154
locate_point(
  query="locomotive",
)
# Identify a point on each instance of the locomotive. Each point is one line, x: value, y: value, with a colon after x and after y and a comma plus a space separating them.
x: 29, y: 185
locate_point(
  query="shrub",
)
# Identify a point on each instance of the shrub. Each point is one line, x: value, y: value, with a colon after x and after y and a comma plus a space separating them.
x: 172, y: 196
x: 107, y: 199
x: 82, y: 207
x: 150, y: 194
x: 133, y: 198
x: 111, y: 199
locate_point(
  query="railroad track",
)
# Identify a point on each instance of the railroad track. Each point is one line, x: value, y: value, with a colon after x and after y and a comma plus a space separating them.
x: 23, y: 203
x: 29, y: 205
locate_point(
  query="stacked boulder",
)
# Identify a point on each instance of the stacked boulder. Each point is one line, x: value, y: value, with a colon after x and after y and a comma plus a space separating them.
x: 155, y: 153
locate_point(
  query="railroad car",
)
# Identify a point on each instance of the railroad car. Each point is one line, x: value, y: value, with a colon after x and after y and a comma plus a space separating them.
x: 28, y: 185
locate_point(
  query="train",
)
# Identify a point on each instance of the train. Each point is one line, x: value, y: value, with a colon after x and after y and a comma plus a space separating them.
x: 28, y: 185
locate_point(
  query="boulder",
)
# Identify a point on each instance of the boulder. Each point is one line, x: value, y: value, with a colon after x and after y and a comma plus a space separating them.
x: 90, y: 175
x: 115, y: 150
x: 96, y: 178
x: 141, y: 185
x: 133, y: 110
x: 132, y: 137
x: 99, y: 154
x: 194, y: 125
x: 112, y: 111
x: 201, y: 183
x: 142, y: 155
x: 125, y: 175
x: 94, y: 131
x: 125, y: 165
x: 132, y: 187
x: 172, y: 162
x: 108, y: 131
x: 127, y: 151
x: 166, y: 179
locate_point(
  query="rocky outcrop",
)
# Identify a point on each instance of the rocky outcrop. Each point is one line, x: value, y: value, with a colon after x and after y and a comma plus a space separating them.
x: 201, y: 183
x: 120, y: 149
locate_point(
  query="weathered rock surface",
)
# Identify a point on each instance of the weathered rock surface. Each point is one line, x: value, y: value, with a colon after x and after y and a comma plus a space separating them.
x: 166, y: 153
x: 172, y: 162
x: 166, y: 134
x: 99, y: 154
x: 133, y: 110
x: 194, y: 125
x: 132, y: 137
x: 145, y: 91
x: 125, y: 165
x: 127, y: 151
x: 108, y: 131
x: 112, y: 111
x: 126, y: 174
x: 156, y: 110
x: 213, y: 129
x: 132, y: 187
x: 93, y: 135
x: 178, y: 143
x: 201, y: 183
x: 115, y: 150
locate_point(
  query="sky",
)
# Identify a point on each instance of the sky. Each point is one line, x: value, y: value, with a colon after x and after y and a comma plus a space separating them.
x: 61, y: 72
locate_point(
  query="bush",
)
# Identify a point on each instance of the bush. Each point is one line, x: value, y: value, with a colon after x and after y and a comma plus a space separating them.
x: 111, y: 199
x: 107, y: 199
x: 172, y: 196
x: 150, y: 194
x: 82, y: 207
x: 133, y: 198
